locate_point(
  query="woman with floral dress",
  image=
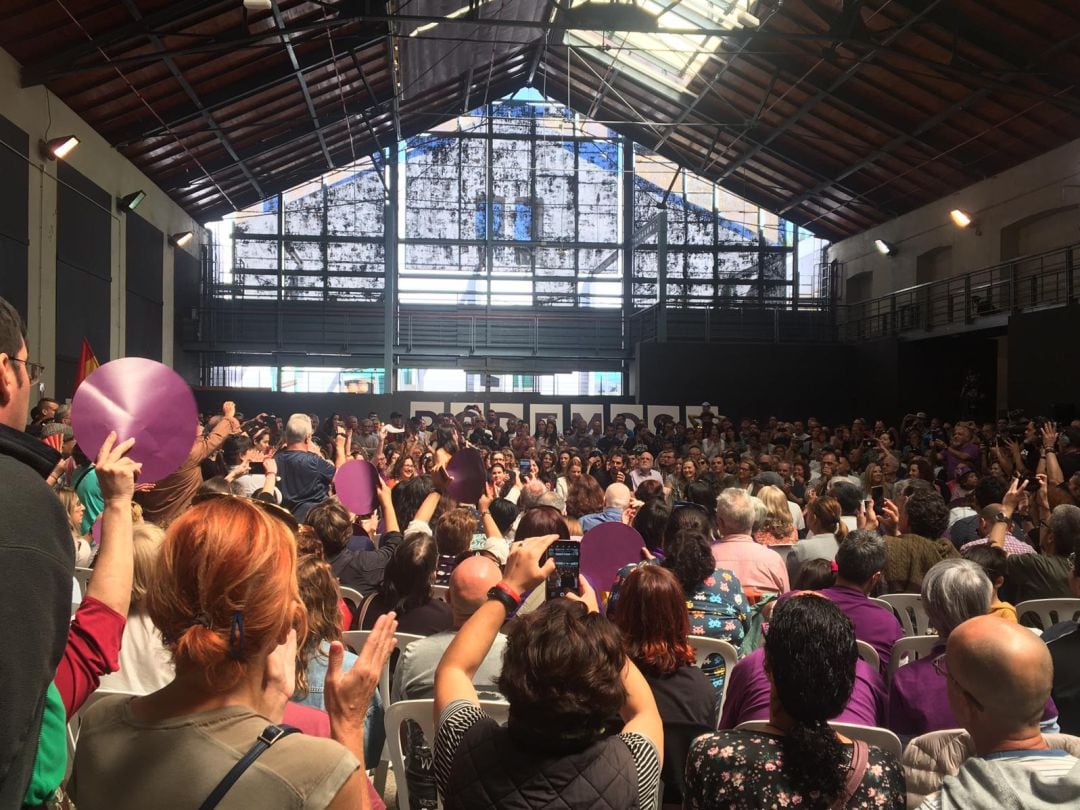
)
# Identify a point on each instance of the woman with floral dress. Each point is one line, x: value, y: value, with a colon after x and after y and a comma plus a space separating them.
x: 798, y: 761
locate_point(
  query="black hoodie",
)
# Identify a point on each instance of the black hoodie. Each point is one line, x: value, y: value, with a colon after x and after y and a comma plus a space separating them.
x: 37, y: 559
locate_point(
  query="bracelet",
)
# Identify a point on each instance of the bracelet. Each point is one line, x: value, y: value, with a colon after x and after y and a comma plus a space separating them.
x: 502, y: 586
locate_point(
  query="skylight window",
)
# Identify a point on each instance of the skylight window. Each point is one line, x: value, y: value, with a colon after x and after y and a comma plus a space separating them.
x: 670, y: 59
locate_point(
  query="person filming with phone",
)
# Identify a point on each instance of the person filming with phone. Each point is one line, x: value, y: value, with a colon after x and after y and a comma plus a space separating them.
x: 566, y: 676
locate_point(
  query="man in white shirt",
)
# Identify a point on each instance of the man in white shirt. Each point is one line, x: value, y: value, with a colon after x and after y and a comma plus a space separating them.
x: 644, y: 471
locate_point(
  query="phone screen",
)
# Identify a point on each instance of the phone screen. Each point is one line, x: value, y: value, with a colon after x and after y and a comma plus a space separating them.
x: 524, y: 466
x: 567, y: 556
x: 256, y: 468
x: 1031, y: 483
x: 877, y: 494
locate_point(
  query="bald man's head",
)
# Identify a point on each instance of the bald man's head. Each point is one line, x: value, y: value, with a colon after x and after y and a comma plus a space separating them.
x: 617, y: 496
x: 469, y: 583
x: 1006, y: 668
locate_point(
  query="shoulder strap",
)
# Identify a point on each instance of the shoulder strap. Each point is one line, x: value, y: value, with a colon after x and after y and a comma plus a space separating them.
x: 269, y: 735
x: 860, y: 757
x: 363, y: 610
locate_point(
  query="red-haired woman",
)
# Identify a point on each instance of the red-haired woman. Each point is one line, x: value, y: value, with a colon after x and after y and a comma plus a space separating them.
x: 652, y: 615
x: 226, y: 600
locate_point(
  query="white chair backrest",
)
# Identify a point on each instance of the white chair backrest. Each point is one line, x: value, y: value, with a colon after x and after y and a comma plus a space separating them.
x: 354, y: 641
x: 881, y: 737
x: 421, y: 712
x: 909, y: 609
x: 441, y: 592
x: 1049, y: 611
x: 703, y: 648
x: 83, y: 576
x: 910, y: 648
x: 353, y: 597
x: 868, y: 654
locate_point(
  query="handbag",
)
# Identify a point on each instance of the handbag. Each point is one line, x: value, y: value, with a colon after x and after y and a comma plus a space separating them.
x: 267, y: 737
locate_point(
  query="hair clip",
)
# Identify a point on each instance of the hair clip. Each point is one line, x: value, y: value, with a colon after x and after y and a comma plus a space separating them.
x: 833, y: 566
x: 236, y: 635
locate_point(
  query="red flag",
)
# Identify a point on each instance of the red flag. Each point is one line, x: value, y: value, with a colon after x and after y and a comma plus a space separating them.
x: 87, y: 364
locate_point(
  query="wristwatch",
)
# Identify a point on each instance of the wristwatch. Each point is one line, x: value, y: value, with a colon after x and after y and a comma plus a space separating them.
x: 503, y: 594
x: 1001, y: 517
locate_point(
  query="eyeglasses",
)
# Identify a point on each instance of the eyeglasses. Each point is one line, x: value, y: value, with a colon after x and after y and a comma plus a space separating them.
x: 33, y: 370
x: 942, y: 669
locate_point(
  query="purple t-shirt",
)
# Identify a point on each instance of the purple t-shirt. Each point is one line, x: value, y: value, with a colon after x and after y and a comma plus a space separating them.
x: 919, y: 699
x: 748, y: 694
x: 874, y: 624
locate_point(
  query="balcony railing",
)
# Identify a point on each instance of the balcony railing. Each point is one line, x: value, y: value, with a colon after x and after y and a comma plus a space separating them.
x: 974, y: 299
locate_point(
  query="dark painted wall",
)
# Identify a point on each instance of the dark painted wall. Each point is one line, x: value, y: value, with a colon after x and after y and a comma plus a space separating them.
x: 143, y: 250
x: 83, y: 248
x: 14, y: 240
x: 1043, y: 358
x: 185, y: 308
x: 932, y: 372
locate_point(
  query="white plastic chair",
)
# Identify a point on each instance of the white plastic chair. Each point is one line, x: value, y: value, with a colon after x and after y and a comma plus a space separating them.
x: 1049, y: 611
x: 910, y: 648
x: 422, y: 713
x: 704, y: 647
x: 909, y: 609
x: 881, y: 737
x: 354, y: 640
x: 83, y: 576
x: 868, y: 654
x: 353, y: 597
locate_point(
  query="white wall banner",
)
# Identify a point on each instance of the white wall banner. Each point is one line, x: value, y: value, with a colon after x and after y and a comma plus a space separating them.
x: 506, y: 410
x: 654, y: 411
x: 633, y: 414
x: 428, y: 411
x: 588, y: 411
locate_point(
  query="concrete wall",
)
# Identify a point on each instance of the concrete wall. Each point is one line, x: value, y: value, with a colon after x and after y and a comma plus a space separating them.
x: 30, y: 110
x: 1029, y: 209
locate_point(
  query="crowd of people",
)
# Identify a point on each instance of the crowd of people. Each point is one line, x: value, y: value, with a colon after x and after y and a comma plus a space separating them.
x: 203, y: 663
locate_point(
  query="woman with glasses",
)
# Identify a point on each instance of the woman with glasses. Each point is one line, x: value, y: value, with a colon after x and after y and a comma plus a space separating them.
x: 953, y: 591
x: 798, y: 760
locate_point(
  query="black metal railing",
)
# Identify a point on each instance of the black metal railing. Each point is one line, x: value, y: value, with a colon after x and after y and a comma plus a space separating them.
x: 991, y: 293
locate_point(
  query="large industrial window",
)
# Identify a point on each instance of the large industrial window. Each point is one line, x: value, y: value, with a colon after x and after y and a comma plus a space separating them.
x: 514, y: 204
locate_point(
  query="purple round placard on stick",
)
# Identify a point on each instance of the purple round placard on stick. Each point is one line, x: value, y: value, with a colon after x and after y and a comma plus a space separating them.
x: 467, y: 476
x: 143, y: 400
x: 607, y: 548
x: 357, y: 483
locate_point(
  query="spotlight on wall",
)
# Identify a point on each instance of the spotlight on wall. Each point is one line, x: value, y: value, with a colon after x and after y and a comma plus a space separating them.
x: 180, y: 239
x: 58, y: 148
x: 884, y: 248
x: 129, y: 202
x: 961, y: 218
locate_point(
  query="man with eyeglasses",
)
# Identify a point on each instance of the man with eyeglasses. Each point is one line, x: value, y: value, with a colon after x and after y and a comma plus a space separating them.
x: 998, y: 677
x: 36, y: 565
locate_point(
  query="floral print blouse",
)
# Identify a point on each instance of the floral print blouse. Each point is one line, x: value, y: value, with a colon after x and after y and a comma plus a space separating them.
x: 718, y: 608
x: 744, y: 769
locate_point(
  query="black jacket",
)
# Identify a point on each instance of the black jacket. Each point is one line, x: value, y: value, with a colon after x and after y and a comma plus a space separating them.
x: 37, y: 560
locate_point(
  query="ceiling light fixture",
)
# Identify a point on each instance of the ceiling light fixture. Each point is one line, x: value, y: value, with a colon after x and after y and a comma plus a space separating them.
x: 58, y: 148
x: 961, y: 218
x: 258, y: 5
x: 884, y: 248
x: 129, y: 202
x: 180, y: 239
